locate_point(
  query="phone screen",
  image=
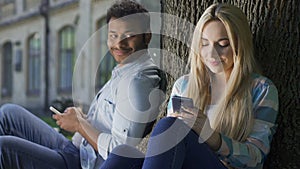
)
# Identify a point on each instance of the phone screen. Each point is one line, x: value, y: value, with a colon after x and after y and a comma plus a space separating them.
x: 178, y: 102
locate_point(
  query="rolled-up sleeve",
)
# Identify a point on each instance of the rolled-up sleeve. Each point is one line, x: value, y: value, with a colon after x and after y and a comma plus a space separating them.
x: 253, y: 151
x: 138, y: 98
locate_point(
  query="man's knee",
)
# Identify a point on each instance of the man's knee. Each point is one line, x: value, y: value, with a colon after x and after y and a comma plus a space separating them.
x: 10, y: 110
x: 8, y: 107
x: 7, y: 142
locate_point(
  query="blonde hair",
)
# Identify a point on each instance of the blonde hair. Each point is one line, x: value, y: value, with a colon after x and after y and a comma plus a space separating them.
x: 234, y: 116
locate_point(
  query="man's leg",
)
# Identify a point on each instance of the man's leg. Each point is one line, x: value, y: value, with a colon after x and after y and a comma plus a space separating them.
x: 18, y: 153
x: 17, y: 121
x: 25, y: 139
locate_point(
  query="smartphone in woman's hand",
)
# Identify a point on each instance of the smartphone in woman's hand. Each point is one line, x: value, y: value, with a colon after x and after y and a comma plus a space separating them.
x: 179, y: 101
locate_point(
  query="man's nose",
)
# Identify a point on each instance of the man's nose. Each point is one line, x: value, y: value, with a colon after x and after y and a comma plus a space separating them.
x: 121, y: 41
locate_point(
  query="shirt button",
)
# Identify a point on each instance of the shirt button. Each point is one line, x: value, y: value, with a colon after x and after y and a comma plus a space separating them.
x: 85, y: 142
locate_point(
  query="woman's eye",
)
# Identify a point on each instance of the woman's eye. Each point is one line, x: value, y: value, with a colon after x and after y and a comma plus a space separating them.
x: 223, y: 45
x: 205, y: 44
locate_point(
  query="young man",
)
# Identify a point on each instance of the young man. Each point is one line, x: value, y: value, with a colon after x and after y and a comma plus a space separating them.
x: 122, y: 112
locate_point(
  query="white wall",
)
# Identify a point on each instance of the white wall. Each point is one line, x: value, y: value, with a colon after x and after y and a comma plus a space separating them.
x: 20, y: 32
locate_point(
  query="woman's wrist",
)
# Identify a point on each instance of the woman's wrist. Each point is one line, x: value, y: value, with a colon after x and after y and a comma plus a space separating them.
x: 214, y: 141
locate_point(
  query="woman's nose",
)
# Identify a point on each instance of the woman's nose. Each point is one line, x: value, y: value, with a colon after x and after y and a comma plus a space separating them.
x: 212, y: 53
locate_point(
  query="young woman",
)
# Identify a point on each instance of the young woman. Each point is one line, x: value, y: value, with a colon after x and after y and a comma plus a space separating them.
x: 233, y: 118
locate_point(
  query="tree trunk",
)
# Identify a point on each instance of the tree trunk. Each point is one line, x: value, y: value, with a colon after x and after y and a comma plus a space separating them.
x: 275, y: 25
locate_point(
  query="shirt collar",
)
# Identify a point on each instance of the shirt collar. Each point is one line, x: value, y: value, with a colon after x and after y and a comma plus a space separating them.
x: 133, y: 61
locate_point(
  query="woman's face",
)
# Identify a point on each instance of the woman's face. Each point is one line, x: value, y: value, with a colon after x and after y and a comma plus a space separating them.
x: 216, y: 50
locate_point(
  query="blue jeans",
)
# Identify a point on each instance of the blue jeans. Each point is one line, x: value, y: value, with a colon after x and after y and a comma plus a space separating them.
x: 28, y: 142
x: 172, y: 145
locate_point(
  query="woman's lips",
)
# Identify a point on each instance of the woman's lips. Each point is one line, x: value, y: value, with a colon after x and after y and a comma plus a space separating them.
x: 214, y: 63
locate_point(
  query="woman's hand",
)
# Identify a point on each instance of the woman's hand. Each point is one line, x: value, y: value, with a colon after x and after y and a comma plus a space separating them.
x: 70, y: 119
x: 191, y: 116
x: 197, y: 120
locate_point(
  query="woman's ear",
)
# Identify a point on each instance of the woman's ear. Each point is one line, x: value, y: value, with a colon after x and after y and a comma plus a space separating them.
x: 147, y: 38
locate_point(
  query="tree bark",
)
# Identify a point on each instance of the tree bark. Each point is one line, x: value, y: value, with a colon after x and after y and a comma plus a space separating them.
x: 275, y: 25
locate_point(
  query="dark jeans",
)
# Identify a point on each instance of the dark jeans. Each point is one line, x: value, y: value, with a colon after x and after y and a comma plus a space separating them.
x: 172, y: 145
x: 27, y: 142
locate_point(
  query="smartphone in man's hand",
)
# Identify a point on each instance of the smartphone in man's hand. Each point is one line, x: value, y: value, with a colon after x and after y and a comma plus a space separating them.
x: 179, y: 101
x: 54, y: 110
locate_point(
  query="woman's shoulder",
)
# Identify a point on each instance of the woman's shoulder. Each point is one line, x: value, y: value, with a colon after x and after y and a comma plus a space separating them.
x: 180, y: 85
x: 262, y: 85
x: 182, y: 80
x: 258, y: 80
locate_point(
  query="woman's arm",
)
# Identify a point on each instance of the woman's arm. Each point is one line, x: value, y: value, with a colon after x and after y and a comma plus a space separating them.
x: 254, y: 150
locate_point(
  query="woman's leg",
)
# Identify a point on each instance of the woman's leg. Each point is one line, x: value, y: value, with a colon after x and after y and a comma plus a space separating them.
x: 125, y: 157
x: 26, y: 139
x: 173, y: 145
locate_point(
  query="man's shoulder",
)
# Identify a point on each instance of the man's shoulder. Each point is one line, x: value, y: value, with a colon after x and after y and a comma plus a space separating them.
x: 150, y: 76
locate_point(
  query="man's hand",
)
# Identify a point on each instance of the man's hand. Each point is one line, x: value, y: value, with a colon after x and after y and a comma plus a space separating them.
x: 74, y: 120
x: 70, y: 119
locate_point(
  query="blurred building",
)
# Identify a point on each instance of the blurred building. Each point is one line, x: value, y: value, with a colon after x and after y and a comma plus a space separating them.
x: 56, y: 48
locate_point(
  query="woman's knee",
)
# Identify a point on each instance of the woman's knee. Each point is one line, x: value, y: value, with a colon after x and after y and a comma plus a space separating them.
x: 163, y: 125
x: 124, y: 156
x: 127, y: 151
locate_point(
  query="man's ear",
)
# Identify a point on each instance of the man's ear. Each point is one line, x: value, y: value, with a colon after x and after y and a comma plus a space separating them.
x: 147, y: 38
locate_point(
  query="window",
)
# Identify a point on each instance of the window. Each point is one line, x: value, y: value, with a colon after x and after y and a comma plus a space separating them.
x: 107, y: 62
x: 66, y: 60
x: 7, y: 8
x: 7, y: 76
x: 34, y: 65
x: 30, y: 4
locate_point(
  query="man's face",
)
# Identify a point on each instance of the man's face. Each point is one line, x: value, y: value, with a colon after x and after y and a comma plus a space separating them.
x: 125, y: 37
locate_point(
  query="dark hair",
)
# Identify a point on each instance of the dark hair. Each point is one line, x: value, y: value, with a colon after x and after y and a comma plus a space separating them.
x: 123, y: 8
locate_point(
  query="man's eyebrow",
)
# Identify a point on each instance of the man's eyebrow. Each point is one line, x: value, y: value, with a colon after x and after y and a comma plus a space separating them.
x: 127, y: 31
